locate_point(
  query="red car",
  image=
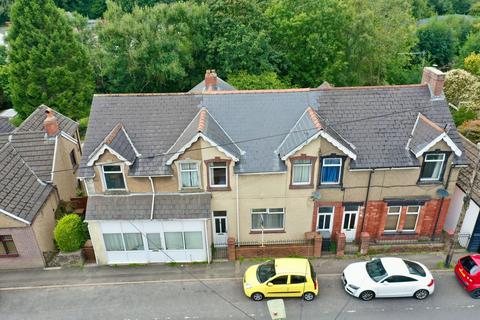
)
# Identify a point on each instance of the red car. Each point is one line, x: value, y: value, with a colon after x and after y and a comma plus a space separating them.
x: 467, y: 272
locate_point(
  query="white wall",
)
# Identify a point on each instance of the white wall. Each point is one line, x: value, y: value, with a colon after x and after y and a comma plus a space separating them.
x: 454, y: 210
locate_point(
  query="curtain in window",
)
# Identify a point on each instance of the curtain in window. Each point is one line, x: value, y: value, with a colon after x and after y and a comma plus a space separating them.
x: 330, y: 174
x: 113, y: 241
x: 270, y: 221
x: 189, y: 175
x: 193, y: 240
x: 174, y: 241
x: 154, y: 241
x: 133, y: 241
x: 301, y: 173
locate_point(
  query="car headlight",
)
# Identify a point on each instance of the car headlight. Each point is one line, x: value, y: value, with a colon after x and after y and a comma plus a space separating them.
x: 353, y: 287
x: 248, y: 286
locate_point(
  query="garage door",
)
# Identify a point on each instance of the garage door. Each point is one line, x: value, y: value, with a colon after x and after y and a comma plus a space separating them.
x: 154, y: 241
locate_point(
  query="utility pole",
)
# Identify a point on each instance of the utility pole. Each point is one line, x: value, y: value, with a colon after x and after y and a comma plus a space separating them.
x: 466, y: 202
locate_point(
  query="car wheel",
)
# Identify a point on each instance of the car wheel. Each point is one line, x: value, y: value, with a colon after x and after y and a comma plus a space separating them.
x: 308, y: 296
x: 475, y: 294
x: 367, y: 295
x: 257, y: 296
x: 421, y: 294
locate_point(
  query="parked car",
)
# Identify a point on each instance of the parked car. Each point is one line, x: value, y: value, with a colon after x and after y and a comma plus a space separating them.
x: 467, y: 272
x: 388, y: 277
x: 285, y: 277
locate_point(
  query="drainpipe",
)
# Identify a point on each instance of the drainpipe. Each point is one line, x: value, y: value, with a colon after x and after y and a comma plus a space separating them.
x: 366, y: 199
x: 238, y: 213
x: 153, y: 198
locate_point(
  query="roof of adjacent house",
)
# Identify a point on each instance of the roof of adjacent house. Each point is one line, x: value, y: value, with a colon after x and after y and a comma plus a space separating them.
x: 222, y: 85
x: 22, y: 193
x: 372, y: 124
x: 464, y: 177
x: 138, y: 207
x: 5, y: 125
x: 34, y: 122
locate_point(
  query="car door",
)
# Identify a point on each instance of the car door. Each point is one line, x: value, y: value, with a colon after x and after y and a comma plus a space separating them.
x: 396, y: 286
x: 277, y: 286
x: 297, y: 285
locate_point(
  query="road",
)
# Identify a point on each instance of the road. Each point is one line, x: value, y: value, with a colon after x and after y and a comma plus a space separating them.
x: 205, y: 299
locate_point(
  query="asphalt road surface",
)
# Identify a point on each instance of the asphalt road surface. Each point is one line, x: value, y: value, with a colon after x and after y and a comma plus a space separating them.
x: 192, y: 299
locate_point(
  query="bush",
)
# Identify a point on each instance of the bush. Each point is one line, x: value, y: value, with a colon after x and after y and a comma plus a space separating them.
x: 463, y: 114
x: 472, y: 64
x: 82, y: 127
x: 70, y: 233
x: 471, y: 130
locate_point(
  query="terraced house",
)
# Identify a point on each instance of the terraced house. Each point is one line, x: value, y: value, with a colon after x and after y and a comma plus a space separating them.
x: 168, y: 175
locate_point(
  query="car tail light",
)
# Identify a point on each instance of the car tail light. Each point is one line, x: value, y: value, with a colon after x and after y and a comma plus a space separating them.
x: 431, y: 283
x: 315, y: 284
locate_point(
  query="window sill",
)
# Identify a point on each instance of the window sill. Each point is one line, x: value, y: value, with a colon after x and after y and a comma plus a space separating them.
x: 330, y: 186
x: 188, y: 190
x: 399, y: 233
x: 429, y: 182
x: 227, y: 188
x: 13, y: 255
x: 266, y: 231
x: 116, y: 192
x: 301, y: 186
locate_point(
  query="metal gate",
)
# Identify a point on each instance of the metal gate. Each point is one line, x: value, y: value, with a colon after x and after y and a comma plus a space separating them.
x: 474, y: 244
x: 219, y: 251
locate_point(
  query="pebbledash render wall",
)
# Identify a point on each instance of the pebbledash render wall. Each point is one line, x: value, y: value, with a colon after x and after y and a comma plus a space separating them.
x: 272, y: 190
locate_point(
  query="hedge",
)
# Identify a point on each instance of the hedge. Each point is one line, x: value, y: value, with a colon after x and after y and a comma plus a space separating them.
x: 70, y: 233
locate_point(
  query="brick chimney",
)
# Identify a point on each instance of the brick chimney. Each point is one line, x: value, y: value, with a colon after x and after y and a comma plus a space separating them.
x: 435, y: 80
x: 210, y: 80
x: 50, y: 124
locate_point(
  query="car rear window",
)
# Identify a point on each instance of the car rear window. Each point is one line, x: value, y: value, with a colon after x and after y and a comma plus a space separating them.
x: 375, y: 270
x: 415, y: 269
x: 469, y: 264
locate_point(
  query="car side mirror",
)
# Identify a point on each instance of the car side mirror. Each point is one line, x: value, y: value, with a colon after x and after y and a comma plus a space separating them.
x: 270, y: 284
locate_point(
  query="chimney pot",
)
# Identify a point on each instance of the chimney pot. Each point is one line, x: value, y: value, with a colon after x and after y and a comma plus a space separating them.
x: 435, y: 80
x: 210, y: 80
x: 50, y: 124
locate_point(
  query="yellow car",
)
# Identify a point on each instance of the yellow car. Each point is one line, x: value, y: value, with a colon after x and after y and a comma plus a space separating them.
x: 285, y: 277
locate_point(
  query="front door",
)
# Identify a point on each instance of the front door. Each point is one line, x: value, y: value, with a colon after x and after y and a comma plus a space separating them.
x: 220, y: 234
x: 349, y: 225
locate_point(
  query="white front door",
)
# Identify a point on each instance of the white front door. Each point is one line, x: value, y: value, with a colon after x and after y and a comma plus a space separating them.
x: 349, y: 225
x: 220, y: 234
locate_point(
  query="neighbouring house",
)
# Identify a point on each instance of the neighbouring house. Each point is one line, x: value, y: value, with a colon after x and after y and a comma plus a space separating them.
x: 469, y: 236
x: 171, y: 175
x: 38, y: 162
x: 5, y: 126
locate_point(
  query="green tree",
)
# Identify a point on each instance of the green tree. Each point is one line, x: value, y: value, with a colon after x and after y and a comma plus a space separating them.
x: 5, y: 6
x: 381, y: 36
x: 5, y: 101
x: 265, y: 80
x: 437, y: 39
x: 311, y: 36
x: 151, y: 49
x: 47, y: 63
x: 128, y: 5
x: 471, y: 45
x: 421, y: 9
x: 472, y: 64
x: 239, y: 37
x: 475, y: 9
x: 88, y: 8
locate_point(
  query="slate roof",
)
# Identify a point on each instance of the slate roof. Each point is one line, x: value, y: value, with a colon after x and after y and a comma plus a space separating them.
x: 21, y: 192
x: 34, y: 122
x: 463, y: 181
x: 167, y: 206
x: 5, y: 125
x: 222, y: 85
x: 424, y: 132
x: 120, y: 142
x: 375, y: 123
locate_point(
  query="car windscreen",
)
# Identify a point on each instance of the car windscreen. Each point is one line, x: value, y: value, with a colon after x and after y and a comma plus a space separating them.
x: 415, y: 269
x: 375, y: 270
x: 469, y: 264
x: 265, y: 271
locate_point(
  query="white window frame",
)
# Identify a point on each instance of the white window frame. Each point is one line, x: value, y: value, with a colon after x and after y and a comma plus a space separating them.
x: 331, y: 165
x: 104, y: 181
x: 302, y: 165
x: 399, y: 214
x: 332, y: 214
x: 412, y: 213
x: 267, y: 211
x: 211, y: 166
x: 180, y: 182
x: 441, y: 166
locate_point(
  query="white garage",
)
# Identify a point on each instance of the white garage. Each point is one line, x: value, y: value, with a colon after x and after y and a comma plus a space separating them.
x: 148, y: 241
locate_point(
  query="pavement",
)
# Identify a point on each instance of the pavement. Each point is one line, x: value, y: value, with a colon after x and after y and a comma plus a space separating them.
x: 209, y: 291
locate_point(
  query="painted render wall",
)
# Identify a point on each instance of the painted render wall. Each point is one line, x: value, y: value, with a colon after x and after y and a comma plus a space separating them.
x: 44, y: 224
x: 29, y: 254
x: 65, y: 179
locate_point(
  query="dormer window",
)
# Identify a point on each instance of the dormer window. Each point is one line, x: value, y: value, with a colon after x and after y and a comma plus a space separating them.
x: 331, y: 170
x: 301, y: 173
x: 433, y: 165
x: 113, y: 177
x: 189, y: 174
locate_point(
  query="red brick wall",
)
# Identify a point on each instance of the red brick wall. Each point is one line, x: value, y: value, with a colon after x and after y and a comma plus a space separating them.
x: 274, y: 251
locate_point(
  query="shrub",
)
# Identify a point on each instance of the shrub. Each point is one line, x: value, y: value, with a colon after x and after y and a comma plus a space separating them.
x: 471, y: 130
x: 458, y: 86
x: 463, y: 114
x: 472, y: 64
x: 70, y: 233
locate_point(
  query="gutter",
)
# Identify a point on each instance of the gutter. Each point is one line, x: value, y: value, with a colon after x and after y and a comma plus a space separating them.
x: 153, y: 197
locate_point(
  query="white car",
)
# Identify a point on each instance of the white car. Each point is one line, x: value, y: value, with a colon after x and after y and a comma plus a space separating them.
x: 388, y: 277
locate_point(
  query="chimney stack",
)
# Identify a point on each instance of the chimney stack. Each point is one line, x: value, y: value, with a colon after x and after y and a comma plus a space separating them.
x: 50, y: 124
x: 210, y: 80
x: 435, y: 80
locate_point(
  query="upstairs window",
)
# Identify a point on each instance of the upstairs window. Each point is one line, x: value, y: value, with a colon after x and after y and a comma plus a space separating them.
x: 73, y: 159
x: 189, y: 174
x: 113, y: 177
x: 433, y: 164
x: 218, y: 174
x: 331, y: 171
x: 301, y: 172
